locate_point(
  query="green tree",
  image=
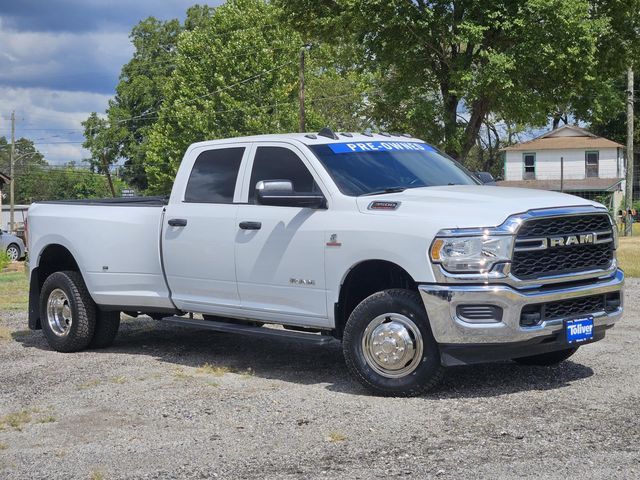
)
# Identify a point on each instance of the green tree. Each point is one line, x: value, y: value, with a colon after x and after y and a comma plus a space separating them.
x: 237, y: 74
x: 28, y: 162
x: 139, y: 93
x: 448, y: 65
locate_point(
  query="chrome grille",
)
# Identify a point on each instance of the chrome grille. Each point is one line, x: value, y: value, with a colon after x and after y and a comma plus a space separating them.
x: 576, y: 306
x: 532, y: 258
x: 535, y: 314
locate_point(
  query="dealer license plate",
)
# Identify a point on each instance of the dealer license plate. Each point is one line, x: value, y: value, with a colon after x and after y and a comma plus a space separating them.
x: 579, y: 329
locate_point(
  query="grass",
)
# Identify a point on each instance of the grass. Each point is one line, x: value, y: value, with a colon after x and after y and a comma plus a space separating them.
x: 15, y: 420
x: 335, y: 437
x: 96, y: 475
x: 89, y: 384
x: 5, y: 333
x: 629, y: 254
x: 47, y: 419
x: 209, y: 369
x: 14, y: 292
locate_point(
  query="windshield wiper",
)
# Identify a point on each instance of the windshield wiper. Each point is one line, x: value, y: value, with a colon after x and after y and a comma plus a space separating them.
x: 386, y: 190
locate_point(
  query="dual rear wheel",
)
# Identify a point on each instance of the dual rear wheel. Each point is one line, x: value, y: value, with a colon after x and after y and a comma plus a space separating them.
x: 70, y: 319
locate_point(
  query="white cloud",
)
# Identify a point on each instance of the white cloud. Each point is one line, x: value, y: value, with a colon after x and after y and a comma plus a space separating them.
x: 51, y: 118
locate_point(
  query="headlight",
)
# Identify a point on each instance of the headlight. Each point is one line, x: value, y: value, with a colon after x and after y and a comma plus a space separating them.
x: 471, y: 254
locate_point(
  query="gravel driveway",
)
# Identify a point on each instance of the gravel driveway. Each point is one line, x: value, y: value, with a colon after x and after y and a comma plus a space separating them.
x: 177, y: 403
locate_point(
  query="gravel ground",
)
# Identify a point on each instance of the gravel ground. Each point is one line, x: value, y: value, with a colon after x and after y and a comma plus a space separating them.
x: 146, y: 409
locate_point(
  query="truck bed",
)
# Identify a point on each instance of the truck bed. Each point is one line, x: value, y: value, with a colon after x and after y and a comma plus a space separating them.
x: 116, y: 247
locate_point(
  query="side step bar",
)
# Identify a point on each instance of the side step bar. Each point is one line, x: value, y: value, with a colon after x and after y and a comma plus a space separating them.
x: 241, y: 329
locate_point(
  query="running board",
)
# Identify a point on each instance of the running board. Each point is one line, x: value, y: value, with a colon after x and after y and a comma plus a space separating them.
x: 241, y: 329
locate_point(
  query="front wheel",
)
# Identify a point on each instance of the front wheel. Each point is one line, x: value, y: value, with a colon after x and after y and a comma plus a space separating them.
x: 547, y: 359
x: 388, y: 345
x: 13, y: 252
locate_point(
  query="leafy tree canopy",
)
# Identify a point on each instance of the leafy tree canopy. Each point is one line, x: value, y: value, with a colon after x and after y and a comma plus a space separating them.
x: 123, y: 133
x: 237, y: 74
x: 449, y: 64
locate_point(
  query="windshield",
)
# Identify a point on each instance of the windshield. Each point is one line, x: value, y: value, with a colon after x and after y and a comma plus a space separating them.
x: 378, y: 167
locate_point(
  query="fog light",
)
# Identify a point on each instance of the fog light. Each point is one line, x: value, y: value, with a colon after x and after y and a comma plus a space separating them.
x: 479, y: 313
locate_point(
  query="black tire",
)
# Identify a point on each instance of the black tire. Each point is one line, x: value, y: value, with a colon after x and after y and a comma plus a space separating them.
x: 15, y: 247
x: 82, y: 310
x: 547, y: 359
x: 425, y: 371
x: 107, y: 325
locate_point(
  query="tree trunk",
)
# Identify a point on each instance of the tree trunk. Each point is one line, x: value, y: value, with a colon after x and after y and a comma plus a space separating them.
x: 629, y: 177
x: 105, y: 165
x: 471, y: 132
x: 450, y: 120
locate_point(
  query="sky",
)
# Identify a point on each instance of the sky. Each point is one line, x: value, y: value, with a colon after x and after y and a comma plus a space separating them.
x: 60, y: 61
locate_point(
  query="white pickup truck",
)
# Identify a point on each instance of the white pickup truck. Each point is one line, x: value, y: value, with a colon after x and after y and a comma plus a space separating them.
x: 379, y: 241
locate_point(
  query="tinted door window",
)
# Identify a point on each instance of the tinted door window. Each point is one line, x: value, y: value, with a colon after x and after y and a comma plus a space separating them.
x: 214, y: 174
x: 278, y: 163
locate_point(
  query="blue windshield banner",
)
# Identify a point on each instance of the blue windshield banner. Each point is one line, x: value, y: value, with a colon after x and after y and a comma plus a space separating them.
x: 361, y: 147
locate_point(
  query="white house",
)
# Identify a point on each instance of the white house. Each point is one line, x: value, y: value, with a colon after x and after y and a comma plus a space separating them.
x: 568, y: 159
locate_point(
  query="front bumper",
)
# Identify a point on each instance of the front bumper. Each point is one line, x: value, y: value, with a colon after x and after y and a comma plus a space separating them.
x: 454, y: 334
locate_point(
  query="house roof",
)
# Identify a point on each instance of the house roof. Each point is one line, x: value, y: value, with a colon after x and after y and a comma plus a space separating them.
x: 566, y: 137
x: 582, y: 185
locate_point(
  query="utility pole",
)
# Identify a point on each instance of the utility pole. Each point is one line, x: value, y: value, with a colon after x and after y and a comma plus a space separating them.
x: 629, y: 179
x: 562, y: 174
x: 302, y: 116
x: 11, y: 174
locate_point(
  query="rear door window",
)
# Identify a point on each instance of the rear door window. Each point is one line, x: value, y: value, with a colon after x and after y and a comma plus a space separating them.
x: 213, y: 177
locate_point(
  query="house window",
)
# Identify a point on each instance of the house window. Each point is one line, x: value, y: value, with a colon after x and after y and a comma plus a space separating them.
x: 591, y: 163
x: 529, y: 172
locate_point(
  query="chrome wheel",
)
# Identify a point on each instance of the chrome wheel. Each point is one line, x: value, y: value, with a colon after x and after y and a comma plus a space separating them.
x: 13, y: 253
x: 59, y: 312
x: 392, y: 345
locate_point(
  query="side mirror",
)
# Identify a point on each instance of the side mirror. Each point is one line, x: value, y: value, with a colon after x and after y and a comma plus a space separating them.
x: 486, y: 178
x: 280, y: 193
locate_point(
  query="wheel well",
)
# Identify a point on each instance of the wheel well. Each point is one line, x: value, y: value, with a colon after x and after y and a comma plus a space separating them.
x: 365, y: 279
x: 54, y: 258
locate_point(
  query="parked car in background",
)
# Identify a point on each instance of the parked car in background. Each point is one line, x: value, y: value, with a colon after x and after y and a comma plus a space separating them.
x: 486, y: 178
x: 13, y: 245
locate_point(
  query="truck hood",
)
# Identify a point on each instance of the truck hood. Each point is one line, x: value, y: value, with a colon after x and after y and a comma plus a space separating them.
x: 466, y: 206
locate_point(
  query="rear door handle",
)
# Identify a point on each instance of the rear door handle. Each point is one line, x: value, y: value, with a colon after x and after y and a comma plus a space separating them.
x: 178, y: 222
x: 250, y: 225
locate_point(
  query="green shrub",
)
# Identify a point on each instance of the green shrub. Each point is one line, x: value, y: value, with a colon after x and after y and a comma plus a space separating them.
x: 4, y: 260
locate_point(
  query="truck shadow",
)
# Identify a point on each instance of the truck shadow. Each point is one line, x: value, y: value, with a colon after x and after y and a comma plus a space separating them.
x: 294, y: 362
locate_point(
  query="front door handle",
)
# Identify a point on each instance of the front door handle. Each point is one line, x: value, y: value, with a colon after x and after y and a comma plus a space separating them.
x: 178, y: 222
x: 250, y: 225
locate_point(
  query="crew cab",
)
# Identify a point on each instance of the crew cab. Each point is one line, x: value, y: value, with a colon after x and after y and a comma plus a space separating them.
x: 381, y: 242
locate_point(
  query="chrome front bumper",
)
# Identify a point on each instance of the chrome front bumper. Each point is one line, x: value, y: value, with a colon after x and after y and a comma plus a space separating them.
x: 441, y: 302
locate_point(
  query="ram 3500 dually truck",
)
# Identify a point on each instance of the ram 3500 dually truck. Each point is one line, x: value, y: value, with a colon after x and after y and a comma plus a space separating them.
x: 380, y: 241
